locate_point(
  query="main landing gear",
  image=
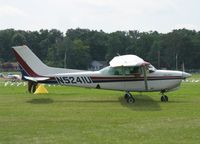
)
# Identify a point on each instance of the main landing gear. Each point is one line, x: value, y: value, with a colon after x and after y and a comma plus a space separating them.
x: 163, y: 98
x: 129, y: 98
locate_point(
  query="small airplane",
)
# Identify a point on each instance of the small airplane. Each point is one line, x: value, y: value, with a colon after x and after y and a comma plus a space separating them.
x: 128, y: 73
x: 11, y: 77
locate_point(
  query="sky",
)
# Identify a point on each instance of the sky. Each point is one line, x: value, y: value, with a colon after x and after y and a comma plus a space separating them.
x: 107, y: 15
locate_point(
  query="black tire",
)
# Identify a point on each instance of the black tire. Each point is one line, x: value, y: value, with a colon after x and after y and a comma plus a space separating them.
x: 164, y: 98
x: 34, y: 87
x: 130, y: 100
x: 126, y: 96
x: 30, y: 84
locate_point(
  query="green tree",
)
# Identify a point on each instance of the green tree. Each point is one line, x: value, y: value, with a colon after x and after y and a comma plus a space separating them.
x: 80, y: 57
x: 97, y: 42
x: 6, y: 53
x: 117, y: 44
x: 18, y: 39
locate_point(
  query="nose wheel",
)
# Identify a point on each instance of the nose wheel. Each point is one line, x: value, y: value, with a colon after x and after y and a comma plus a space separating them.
x: 129, y: 98
x: 163, y: 98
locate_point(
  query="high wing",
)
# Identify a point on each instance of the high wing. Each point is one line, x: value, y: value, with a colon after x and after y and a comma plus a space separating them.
x: 127, y: 60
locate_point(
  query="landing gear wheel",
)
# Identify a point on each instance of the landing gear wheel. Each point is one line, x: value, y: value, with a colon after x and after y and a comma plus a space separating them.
x: 164, y: 98
x: 126, y: 96
x: 130, y: 100
x: 32, y: 87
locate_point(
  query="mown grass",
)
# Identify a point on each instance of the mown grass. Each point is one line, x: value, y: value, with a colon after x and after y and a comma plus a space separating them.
x: 79, y: 115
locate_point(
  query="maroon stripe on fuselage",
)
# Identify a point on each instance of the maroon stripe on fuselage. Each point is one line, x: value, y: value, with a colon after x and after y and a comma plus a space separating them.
x: 24, y: 65
x: 136, y: 78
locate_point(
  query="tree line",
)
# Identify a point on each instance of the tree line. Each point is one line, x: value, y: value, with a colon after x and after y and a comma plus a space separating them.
x: 78, y: 47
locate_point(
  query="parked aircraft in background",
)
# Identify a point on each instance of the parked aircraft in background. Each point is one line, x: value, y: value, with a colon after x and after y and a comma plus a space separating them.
x: 128, y: 73
x: 11, y: 77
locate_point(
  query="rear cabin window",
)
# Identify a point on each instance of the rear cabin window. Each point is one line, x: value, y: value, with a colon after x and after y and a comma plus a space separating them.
x: 112, y: 70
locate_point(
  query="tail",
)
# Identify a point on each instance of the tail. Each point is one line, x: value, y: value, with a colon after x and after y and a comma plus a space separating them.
x: 31, y: 66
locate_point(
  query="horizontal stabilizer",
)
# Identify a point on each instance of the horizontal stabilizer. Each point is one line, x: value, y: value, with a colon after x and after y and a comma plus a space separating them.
x: 36, y: 79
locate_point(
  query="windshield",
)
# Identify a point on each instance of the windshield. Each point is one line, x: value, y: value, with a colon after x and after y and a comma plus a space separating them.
x: 151, y: 68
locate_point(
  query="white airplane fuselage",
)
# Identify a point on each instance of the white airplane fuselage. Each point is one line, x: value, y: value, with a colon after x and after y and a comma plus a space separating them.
x: 156, y: 81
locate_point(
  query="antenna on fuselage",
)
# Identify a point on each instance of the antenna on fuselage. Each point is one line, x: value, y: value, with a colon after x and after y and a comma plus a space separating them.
x: 118, y: 54
x: 183, y: 67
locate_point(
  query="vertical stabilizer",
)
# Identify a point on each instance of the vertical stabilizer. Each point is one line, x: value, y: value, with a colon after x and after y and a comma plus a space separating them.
x: 32, y: 66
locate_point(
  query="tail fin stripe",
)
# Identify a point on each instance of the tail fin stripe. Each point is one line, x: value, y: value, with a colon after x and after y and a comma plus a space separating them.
x: 23, y: 71
x: 24, y: 66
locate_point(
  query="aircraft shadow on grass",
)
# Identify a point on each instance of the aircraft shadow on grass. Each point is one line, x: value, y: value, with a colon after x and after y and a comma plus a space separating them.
x: 48, y: 101
x: 40, y: 101
x: 143, y: 102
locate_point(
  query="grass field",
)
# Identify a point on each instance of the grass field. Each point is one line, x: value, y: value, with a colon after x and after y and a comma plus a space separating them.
x: 69, y: 115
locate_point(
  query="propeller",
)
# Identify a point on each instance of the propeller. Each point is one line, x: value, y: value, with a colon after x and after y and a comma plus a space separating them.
x: 184, y: 74
x: 183, y: 69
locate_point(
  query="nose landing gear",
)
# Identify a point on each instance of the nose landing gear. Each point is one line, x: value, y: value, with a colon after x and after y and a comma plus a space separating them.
x: 164, y: 98
x: 129, y: 98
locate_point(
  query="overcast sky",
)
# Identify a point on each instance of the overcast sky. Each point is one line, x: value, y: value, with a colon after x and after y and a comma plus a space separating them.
x: 107, y: 15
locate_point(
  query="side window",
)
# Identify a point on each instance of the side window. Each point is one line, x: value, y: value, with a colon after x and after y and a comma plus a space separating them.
x: 116, y: 71
x: 132, y: 70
